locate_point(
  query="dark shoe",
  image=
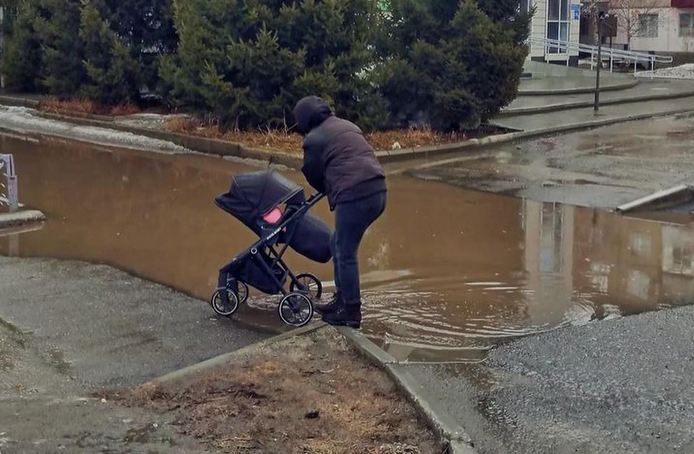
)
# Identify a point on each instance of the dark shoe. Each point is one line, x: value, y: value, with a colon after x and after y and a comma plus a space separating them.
x: 330, y: 307
x: 345, y: 315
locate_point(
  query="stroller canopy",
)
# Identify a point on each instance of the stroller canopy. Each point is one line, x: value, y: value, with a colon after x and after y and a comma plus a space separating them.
x: 253, y: 195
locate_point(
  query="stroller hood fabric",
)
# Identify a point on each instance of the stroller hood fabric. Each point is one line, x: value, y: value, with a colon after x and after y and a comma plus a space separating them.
x: 255, y: 194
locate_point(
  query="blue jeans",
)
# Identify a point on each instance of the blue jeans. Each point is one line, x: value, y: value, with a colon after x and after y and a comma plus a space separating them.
x: 351, y: 221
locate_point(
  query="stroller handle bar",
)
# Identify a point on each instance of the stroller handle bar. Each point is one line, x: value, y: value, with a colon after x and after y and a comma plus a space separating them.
x: 304, y: 207
x: 315, y: 198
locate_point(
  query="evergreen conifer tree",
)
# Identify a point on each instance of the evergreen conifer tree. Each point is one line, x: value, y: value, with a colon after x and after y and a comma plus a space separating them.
x: 450, y: 65
x: 112, y: 73
x: 57, y: 24
x: 21, y: 62
x: 249, y: 61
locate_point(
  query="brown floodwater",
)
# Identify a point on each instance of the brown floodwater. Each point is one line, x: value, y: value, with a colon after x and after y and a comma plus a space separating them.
x: 447, y: 273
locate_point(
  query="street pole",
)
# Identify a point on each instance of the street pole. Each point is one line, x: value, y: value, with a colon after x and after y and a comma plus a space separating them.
x: 596, y: 107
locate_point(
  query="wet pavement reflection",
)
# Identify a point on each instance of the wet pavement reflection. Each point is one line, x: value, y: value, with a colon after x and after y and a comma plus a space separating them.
x: 604, y: 167
x: 447, y: 272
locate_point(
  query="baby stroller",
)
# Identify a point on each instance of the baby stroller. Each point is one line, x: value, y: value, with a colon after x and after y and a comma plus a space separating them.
x: 276, y: 210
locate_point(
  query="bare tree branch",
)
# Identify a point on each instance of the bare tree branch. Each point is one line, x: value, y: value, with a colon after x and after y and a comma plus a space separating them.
x: 629, y: 12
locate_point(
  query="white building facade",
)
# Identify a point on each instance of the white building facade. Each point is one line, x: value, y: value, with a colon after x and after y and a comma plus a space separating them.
x: 662, y: 26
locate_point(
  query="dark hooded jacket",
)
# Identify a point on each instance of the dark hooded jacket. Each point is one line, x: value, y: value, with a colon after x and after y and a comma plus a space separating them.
x: 338, y: 161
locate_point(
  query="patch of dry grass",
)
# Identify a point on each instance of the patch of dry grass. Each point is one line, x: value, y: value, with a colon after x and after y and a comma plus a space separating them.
x: 273, y: 140
x: 82, y: 107
x: 285, y: 141
x: 263, y: 404
x: 124, y: 109
x: 267, y: 139
x: 76, y: 106
x: 412, y: 138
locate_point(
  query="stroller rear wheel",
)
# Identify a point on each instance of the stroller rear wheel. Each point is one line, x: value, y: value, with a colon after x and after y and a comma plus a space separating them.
x: 309, y: 284
x: 296, y: 309
x: 222, y: 308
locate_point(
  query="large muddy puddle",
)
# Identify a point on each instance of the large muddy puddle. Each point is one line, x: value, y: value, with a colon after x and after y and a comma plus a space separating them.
x: 447, y: 272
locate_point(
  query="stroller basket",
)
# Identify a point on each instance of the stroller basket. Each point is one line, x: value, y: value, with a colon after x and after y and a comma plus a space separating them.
x: 253, y: 273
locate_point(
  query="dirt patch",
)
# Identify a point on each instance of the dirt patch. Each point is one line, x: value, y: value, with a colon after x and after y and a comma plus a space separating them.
x: 415, y: 138
x: 273, y: 140
x: 285, y: 141
x: 81, y: 107
x: 311, y: 394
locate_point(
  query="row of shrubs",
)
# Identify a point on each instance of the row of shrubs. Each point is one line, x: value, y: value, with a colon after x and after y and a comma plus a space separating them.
x: 384, y: 64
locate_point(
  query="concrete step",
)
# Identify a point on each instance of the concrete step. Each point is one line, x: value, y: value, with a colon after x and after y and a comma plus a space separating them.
x: 558, y: 87
x: 555, y: 104
x: 581, y: 118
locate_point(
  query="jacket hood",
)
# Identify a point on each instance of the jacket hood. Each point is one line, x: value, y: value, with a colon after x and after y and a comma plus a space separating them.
x: 310, y: 112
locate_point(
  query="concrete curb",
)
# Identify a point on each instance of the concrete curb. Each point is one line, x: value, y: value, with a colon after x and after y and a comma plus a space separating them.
x: 616, y: 86
x: 659, y: 200
x: 227, y: 358
x: 585, y: 104
x: 18, y: 101
x: 20, y: 218
x: 459, y: 442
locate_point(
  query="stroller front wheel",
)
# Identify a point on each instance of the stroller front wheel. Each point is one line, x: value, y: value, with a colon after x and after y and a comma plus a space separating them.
x: 220, y: 307
x: 296, y: 309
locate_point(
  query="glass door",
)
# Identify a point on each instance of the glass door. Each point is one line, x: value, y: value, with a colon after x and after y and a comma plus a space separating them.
x: 558, y: 23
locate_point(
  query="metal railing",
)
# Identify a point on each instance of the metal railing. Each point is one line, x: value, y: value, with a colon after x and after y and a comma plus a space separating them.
x: 608, y: 53
x: 8, y: 183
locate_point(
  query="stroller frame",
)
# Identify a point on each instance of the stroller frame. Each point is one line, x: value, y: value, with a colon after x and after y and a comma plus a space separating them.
x: 266, y: 247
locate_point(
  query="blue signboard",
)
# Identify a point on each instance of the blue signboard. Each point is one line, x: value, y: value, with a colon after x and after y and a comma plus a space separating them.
x: 576, y: 11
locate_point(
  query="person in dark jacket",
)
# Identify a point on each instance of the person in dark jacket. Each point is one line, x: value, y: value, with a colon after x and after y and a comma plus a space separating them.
x: 340, y: 163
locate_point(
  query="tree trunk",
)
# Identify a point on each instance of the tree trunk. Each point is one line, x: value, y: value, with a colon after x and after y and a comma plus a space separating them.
x: 630, y: 31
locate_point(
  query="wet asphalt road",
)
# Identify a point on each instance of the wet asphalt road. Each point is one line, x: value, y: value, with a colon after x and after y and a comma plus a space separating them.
x: 603, y: 168
x: 619, y: 386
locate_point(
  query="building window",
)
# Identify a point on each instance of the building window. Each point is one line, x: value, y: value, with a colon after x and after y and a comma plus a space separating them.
x: 558, y: 21
x: 648, y: 26
x: 686, y: 24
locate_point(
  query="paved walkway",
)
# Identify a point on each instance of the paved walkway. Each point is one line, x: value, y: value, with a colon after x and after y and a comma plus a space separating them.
x: 111, y: 329
x: 69, y: 328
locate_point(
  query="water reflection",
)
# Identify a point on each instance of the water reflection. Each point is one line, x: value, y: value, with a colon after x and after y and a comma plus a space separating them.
x: 447, y: 273
x: 578, y: 265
